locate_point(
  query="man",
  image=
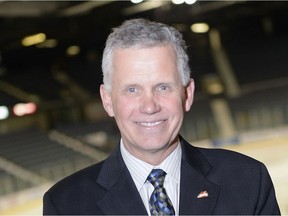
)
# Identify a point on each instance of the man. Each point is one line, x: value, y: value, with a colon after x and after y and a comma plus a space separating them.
x: 147, y: 89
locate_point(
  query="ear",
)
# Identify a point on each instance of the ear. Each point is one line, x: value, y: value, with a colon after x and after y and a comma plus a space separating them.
x: 189, y: 94
x: 106, y: 100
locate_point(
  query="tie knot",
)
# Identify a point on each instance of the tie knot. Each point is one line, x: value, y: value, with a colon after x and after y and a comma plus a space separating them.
x: 156, y: 177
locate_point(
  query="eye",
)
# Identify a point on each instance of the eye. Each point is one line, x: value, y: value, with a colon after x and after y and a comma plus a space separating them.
x: 163, y: 88
x: 132, y: 90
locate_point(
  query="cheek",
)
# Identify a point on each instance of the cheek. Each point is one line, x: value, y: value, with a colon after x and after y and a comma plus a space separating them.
x: 123, y: 107
x: 175, y: 107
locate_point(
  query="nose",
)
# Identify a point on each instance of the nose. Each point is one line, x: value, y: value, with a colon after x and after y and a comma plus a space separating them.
x: 149, y: 104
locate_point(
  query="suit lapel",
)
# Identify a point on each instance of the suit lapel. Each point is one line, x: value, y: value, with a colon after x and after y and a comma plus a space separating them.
x: 194, y: 169
x: 122, y: 196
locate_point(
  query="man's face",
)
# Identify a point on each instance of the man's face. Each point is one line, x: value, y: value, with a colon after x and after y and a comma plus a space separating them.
x: 147, y: 99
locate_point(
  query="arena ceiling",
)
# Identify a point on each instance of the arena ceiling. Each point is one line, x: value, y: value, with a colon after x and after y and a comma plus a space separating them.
x: 81, y: 20
x: 87, y: 23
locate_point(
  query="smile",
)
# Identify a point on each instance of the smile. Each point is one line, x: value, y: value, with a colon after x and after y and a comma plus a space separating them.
x: 150, y: 124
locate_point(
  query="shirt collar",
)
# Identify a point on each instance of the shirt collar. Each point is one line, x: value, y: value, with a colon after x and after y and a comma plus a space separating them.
x: 139, y: 169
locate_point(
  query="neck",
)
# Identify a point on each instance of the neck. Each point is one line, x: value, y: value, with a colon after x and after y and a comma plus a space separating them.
x: 154, y: 157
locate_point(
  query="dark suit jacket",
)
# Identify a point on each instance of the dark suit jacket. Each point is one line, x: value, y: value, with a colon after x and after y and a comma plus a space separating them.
x: 236, y: 185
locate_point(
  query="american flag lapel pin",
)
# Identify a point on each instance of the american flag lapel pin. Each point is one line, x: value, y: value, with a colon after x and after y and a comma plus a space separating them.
x: 202, y: 194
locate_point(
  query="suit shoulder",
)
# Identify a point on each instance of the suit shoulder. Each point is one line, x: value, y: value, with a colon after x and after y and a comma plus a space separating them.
x: 77, y: 180
x: 229, y: 166
x: 226, y: 157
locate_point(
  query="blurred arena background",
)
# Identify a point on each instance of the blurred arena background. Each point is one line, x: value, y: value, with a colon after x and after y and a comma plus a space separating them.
x: 51, y: 118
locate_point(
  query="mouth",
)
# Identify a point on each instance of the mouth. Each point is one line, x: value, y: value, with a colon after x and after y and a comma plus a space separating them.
x: 150, y: 124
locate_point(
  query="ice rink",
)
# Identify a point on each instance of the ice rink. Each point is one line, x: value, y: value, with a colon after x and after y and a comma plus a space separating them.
x: 270, y: 147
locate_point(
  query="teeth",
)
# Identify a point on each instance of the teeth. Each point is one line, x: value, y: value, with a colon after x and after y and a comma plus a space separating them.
x: 150, y: 124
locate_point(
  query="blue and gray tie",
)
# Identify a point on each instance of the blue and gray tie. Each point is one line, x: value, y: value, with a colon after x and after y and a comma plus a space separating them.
x: 159, y: 202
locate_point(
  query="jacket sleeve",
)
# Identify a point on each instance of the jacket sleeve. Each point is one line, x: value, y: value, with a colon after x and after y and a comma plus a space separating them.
x: 267, y: 203
x: 48, y: 206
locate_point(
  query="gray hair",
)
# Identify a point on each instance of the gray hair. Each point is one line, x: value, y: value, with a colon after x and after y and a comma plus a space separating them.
x: 142, y: 33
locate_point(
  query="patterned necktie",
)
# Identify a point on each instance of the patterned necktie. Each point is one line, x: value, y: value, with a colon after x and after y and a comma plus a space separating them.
x: 159, y: 202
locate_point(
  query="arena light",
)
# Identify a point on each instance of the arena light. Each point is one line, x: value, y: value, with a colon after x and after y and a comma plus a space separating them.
x: 144, y: 6
x: 22, y: 109
x: 33, y: 39
x: 200, y: 27
x: 73, y: 50
x: 49, y: 43
x: 4, y: 112
x: 136, y: 1
x: 190, y: 2
x: 177, y: 2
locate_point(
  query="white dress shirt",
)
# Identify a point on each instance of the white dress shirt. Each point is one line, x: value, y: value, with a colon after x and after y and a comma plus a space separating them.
x: 140, y: 170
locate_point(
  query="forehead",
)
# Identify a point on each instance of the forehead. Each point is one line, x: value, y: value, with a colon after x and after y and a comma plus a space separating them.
x: 156, y: 64
x: 149, y: 55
